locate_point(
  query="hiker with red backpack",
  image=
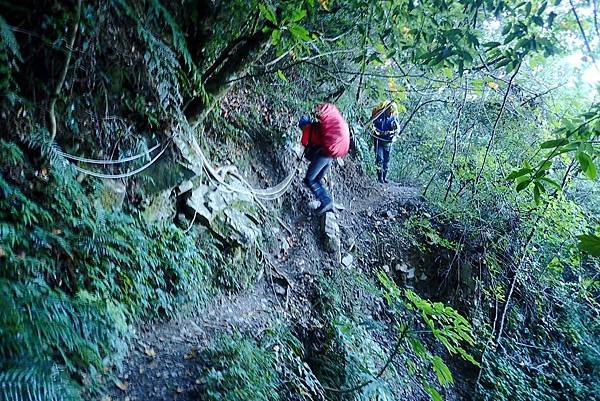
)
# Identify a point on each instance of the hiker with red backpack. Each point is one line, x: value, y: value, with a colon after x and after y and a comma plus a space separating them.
x: 324, y: 140
x: 385, y: 124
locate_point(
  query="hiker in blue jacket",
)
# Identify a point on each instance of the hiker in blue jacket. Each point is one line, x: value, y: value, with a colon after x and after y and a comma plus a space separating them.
x: 386, y: 126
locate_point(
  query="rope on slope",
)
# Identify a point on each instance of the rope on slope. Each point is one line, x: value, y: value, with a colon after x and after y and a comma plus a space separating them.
x: 270, y: 193
x: 107, y: 161
x: 123, y: 175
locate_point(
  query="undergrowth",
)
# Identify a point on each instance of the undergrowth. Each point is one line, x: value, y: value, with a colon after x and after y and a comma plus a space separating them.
x: 74, y: 277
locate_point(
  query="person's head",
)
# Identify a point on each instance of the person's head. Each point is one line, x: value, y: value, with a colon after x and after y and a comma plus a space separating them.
x: 392, y: 110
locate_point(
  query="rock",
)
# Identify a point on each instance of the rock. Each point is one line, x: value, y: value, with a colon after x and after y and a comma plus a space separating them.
x: 112, y: 195
x: 279, y: 290
x: 160, y: 208
x: 409, y: 272
x: 347, y: 260
x: 331, y: 231
x: 391, y: 214
x: 401, y: 267
x: 313, y: 205
x: 284, y: 245
x: 185, y: 186
x: 226, y: 213
x: 197, y: 202
x: 423, y: 277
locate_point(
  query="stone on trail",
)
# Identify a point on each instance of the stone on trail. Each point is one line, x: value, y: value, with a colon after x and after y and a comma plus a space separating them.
x: 331, y: 230
x: 347, y: 260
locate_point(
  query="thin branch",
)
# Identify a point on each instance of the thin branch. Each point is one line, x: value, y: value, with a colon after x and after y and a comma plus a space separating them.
x: 491, y: 141
x: 63, y: 75
x: 364, y: 60
x: 585, y: 40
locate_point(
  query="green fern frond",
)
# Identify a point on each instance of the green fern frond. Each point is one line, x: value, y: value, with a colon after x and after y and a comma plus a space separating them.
x: 178, y: 38
x: 33, y: 379
x: 8, y: 40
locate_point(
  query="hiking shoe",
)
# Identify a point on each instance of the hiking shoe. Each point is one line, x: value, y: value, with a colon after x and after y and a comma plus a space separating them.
x: 325, y: 208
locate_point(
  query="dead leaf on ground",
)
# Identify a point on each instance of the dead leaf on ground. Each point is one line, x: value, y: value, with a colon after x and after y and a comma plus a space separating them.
x: 180, y: 390
x: 122, y: 385
x: 150, y: 352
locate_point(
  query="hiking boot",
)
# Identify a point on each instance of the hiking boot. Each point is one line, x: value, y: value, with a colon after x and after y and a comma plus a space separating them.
x: 325, y: 208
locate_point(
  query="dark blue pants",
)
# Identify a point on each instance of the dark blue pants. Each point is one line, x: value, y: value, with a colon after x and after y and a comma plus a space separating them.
x: 382, y: 156
x: 318, y: 167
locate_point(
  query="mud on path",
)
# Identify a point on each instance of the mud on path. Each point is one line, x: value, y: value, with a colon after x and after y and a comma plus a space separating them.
x: 162, y: 364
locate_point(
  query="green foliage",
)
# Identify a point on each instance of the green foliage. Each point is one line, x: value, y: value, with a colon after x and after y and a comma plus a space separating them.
x: 444, y: 323
x: 577, y: 137
x: 425, y: 235
x: 73, y: 277
x: 9, y: 56
x: 239, y: 369
x: 590, y: 244
x: 352, y: 358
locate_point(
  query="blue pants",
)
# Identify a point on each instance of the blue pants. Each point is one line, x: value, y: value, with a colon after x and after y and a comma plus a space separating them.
x: 319, y: 165
x: 382, y: 156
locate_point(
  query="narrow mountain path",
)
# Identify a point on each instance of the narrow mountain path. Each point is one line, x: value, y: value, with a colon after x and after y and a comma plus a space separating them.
x: 161, y: 363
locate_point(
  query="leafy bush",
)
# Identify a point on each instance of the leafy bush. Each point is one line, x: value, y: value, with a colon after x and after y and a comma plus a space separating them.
x: 239, y: 369
x: 74, y: 276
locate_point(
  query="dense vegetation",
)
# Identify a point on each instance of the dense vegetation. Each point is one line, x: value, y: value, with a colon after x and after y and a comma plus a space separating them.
x: 500, y: 130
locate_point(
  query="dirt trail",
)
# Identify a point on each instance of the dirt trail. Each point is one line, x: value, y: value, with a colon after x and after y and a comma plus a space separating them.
x: 161, y: 364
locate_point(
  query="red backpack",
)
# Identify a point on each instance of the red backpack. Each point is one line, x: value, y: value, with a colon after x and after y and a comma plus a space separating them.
x: 335, y: 135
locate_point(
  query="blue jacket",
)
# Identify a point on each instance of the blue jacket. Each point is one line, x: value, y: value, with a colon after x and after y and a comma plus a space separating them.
x: 386, y: 126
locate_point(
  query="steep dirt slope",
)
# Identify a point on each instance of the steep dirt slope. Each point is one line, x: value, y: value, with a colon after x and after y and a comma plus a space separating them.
x: 162, y: 365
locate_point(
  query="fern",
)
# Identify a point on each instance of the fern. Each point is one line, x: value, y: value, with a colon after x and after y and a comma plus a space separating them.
x: 178, y: 38
x: 7, y: 39
x: 36, y: 379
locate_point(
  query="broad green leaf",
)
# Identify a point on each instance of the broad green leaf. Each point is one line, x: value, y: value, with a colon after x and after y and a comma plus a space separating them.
x: 518, y: 173
x: 589, y: 244
x: 523, y: 184
x: 491, y: 45
x: 551, y: 182
x: 587, y: 165
x: 281, y: 75
x: 268, y: 13
x: 536, y: 192
x: 276, y: 37
x: 554, y: 143
x: 297, y: 15
x: 299, y: 32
